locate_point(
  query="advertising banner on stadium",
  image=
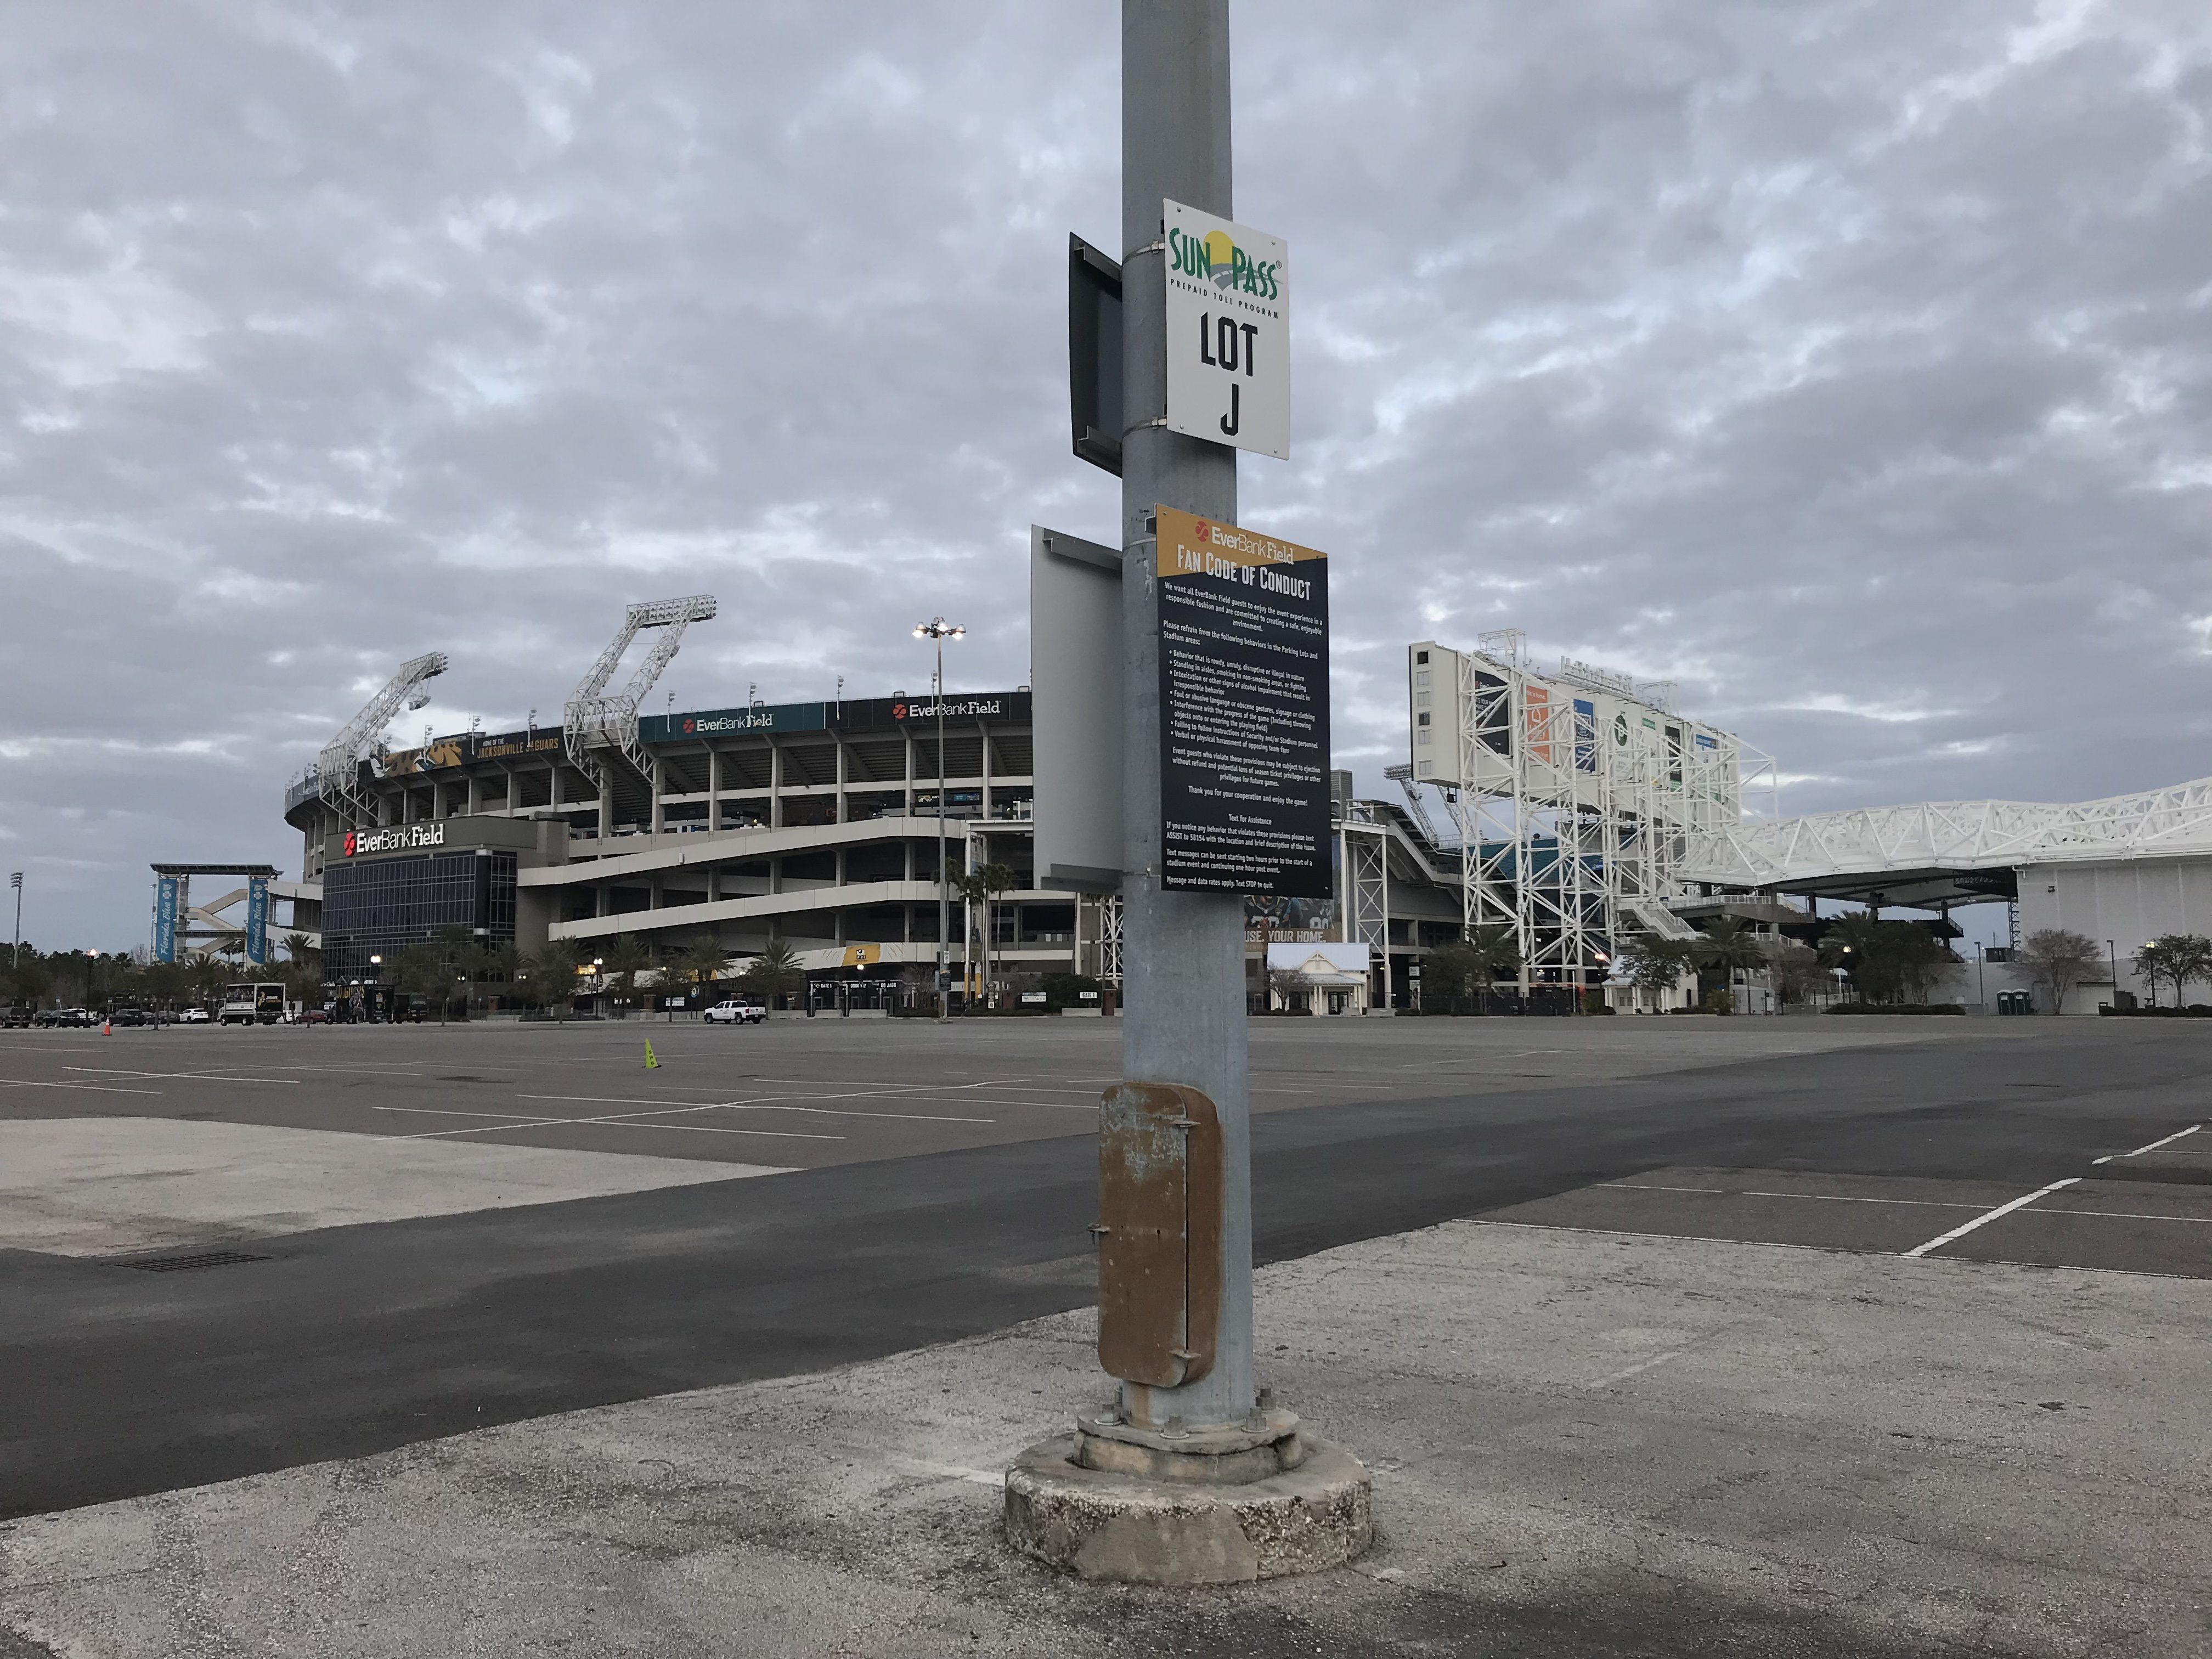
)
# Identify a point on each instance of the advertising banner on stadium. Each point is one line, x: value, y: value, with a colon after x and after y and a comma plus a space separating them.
x: 256, y: 920
x: 166, y: 905
x: 863, y: 713
x: 733, y: 722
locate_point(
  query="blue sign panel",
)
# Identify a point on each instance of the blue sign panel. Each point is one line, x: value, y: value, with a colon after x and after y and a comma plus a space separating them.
x: 256, y: 920
x: 1585, y: 736
x: 165, y: 918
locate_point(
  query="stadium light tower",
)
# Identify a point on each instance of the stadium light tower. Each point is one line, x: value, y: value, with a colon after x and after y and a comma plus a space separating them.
x: 940, y: 630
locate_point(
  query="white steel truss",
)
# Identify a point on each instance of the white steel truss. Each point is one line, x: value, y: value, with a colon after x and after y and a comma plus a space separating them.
x: 596, y: 720
x: 1110, y: 940
x: 1363, y: 856
x: 1576, y: 794
x: 1958, y: 834
x: 338, y: 769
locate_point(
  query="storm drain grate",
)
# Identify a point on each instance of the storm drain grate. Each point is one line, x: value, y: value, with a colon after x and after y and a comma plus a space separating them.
x: 178, y: 1264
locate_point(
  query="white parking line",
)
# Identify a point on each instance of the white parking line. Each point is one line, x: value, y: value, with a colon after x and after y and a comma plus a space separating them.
x: 1987, y: 1216
x: 624, y: 1121
x: 103, y: 1088
x: 769, y: 1103
x: 1847, y: 1198
x: 2134, y: 1215
x: 202, y: 1077
x: 2153, y: 1147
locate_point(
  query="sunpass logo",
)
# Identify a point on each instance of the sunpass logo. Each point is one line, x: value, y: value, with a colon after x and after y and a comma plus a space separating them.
x: 1217, y: 259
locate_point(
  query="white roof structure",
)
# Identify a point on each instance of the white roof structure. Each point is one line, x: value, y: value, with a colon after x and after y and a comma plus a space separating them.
x: 1948, y: 851
x: 1332, y: 957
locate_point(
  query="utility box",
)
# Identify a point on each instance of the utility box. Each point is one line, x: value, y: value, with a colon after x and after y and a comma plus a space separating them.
x: 1160, y: 1198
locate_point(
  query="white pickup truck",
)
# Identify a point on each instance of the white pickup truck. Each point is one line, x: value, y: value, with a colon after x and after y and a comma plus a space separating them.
x: 735, y: 1013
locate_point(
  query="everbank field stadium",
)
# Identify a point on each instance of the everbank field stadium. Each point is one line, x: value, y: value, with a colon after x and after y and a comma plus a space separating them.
x: 1572, y: 808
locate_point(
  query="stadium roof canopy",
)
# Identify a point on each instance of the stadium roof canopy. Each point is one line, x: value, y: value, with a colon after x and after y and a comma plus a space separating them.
x: 1959, y: 852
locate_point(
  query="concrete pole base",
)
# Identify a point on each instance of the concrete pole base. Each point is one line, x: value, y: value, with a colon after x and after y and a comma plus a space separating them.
x: 1102, y: 1524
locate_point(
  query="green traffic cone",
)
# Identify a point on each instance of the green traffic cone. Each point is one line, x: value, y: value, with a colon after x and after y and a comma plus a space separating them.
x: 651, y: 1062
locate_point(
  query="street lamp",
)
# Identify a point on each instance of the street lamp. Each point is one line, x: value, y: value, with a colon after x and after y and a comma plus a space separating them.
x: 939, y: 630
x: 2115, y: 951
x: 375, y: 978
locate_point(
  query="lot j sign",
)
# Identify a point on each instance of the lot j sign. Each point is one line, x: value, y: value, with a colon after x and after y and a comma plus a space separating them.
x: 1243, y: 710
x: 1228, y: 333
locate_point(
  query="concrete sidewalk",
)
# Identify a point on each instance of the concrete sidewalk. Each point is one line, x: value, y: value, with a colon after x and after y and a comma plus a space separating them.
x: 1584, y: 1445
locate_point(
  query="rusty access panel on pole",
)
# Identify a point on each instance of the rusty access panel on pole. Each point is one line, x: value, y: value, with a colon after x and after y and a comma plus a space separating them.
x: 1159, y: 1232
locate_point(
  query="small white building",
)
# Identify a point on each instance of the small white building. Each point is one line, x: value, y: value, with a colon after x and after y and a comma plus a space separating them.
x: 1328, y: 979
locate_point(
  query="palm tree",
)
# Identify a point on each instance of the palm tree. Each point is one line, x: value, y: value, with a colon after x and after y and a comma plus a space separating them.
x: 550, y: 972
x: 1732, y: 945
x: 1854, y: 942
x: 982, y: 887
x: 1494, y: 953
x: 774, y: 971
x: 701, y: 962
x: 624, y: 958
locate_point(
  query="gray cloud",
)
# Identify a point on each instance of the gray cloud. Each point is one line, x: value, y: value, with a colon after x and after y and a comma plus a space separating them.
x: 1843, y: 361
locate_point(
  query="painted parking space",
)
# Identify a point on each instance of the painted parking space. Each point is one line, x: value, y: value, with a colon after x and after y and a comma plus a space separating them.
x: 806, y: 1093
x: 2085, y: 1220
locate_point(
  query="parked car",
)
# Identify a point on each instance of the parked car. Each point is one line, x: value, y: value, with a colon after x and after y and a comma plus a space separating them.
x: 195, y: 1017
x: 67, y: 1017
x: 311, y: 1017
x: 734, y: 1013
x: 15, y: 1016
x: 131, y: 1016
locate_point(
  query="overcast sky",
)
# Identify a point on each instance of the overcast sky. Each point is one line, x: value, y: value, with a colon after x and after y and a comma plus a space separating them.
x: 1846, y: 363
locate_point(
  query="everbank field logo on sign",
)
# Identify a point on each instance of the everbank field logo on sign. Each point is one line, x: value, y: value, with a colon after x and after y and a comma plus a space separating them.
x: 709, y: 724
x: 954, y: 709
x: 400, y: 838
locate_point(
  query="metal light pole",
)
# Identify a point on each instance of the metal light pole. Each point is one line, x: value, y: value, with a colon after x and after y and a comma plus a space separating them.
x: 1183, y: 952
x: 2115, y: 951
x: 940, y: 630
x: 16, y: 944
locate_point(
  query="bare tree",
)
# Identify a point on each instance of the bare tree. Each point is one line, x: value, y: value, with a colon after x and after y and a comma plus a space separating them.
x: 1655, y: 964
x: 2176, y: 959
x: 1288, y: 987
x: 2055, y: 958
x: 1795, y: 969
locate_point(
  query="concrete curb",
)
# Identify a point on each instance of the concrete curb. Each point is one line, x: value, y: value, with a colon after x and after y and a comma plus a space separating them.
x: 1110, y: 1526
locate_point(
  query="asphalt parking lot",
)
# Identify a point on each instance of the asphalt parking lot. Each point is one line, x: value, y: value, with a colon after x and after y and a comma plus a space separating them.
x: 410, y: 1231
x: 2074, y: 1221
x: 1821, y: 1337
x: 802, y: 1094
